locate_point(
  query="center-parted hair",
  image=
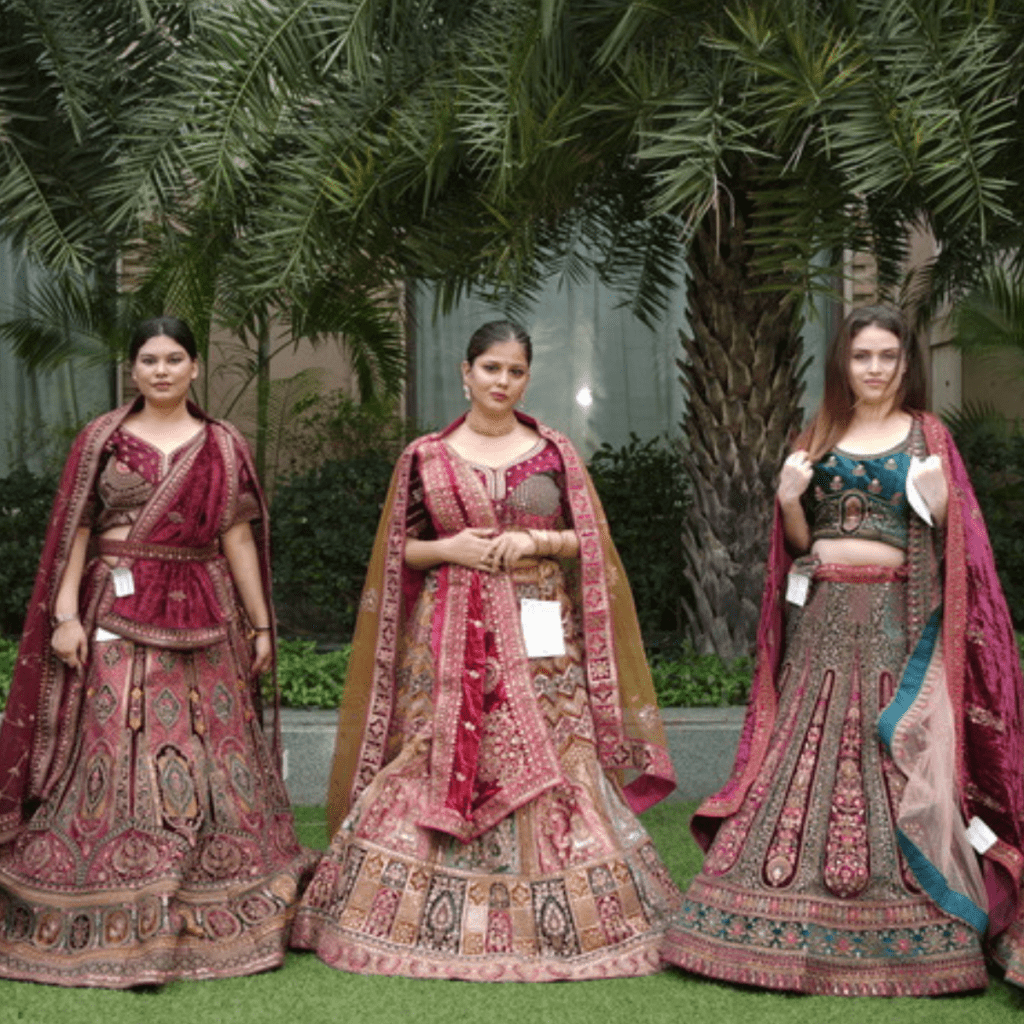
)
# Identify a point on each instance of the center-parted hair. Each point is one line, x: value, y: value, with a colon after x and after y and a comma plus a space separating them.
x: 838, y: 400
x: 162, y: 326
x: 494, y: 332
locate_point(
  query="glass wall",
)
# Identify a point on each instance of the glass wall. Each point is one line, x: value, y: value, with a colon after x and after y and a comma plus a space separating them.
x: 599, y: 374
x: 40, y: 411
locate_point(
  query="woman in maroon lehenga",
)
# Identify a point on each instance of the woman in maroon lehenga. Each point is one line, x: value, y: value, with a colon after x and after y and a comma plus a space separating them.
x: 489, y: 766
x: 146, y: 834
x: 869, y: 841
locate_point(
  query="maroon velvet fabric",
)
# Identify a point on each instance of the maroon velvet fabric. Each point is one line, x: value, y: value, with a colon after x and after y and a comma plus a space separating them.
x: 771, y: 635
x: 180, y: 595
x: 983, y: 643
x: 986, y: 688
x: 469, y: 730
x: 36, y: 671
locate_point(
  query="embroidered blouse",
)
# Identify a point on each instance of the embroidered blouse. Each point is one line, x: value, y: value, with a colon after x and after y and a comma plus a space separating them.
x: 861, y: 496
x: 528, y: 493
x: 131, y: 469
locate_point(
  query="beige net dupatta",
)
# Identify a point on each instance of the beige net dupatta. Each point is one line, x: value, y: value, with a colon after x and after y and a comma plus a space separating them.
x: 920, y: 729
x: 631, y: 736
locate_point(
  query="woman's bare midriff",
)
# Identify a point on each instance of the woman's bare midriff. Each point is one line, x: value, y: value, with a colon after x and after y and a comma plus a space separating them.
x: 853, y: 551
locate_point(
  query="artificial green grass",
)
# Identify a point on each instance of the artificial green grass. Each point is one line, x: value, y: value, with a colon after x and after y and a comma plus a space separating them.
x: 305, y: 991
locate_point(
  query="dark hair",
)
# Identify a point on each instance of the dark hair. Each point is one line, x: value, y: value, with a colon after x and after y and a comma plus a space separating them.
x: 168, y: 326
x: 493, y: 333
x: 837, y: 402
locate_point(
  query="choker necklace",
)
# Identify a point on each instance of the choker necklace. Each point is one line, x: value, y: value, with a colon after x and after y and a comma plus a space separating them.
x: 492, y: 433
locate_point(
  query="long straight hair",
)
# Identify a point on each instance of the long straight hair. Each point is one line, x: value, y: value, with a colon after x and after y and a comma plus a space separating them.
x: 834, y: 415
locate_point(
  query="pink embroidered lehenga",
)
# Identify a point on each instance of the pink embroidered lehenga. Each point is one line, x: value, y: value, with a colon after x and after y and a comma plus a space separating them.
x: 488, y: 800
x: 147, y: 833
x: 886, y: 714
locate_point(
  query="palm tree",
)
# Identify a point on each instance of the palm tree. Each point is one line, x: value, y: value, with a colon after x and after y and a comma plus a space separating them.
x: 487, y: 145
x: 81, y: 97
x: 780, y: 132
x: 307, y: 151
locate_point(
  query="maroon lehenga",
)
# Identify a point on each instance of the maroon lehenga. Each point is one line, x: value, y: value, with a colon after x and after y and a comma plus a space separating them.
x: 161, y: 844
x: 885, y: 715
x: 489, y: 836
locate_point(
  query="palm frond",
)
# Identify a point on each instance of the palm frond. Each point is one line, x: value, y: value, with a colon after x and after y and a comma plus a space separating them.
x: 70, y: 316
x: 989, y: 321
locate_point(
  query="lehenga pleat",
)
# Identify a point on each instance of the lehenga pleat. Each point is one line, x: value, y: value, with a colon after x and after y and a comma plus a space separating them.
x: 567, y: 886
x: 805, y: 887
x: 167, y: 849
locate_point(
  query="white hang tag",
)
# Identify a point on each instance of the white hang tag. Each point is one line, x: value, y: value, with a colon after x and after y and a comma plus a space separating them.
x: 917, y: 503
x: 124, y: 581
x: 104, y: 635
x: 980, y: 836
x: 797, y: 588
x: 542, y: 628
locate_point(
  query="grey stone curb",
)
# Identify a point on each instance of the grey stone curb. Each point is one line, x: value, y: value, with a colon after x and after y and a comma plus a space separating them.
x: 701, y: 741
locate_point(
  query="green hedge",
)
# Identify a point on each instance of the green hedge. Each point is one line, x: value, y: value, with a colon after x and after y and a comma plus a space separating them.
x: 25, y: 502
x: 644, y: 491
x: 691, y: 680
x: 309, y: 677
x: 324, y: 522
x: 322, y: 529
x: 8, y: 653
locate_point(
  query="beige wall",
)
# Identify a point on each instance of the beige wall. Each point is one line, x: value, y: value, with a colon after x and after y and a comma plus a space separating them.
x: 998, y: 382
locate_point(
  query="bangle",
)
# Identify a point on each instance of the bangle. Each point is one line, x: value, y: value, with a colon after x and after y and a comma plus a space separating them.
x: 261, y: 629
x: 59, y: 620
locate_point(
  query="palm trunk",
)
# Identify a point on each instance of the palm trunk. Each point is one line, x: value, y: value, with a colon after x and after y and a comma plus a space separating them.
x: 741, y: 379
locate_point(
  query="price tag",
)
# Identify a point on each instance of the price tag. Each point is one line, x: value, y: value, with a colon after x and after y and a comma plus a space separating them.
x: 542, y: 628
x: 124, y: 581
x: 797, y: 587
x: 980, y: 836
x: 917, y: 502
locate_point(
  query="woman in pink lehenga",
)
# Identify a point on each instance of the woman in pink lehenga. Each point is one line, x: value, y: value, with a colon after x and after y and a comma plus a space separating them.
x: 869, y: 841
x: 146, y: 834
x: 498, y: 730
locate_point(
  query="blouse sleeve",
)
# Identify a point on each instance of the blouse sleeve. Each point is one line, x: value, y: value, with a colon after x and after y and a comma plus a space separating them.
x: 94, y: 506
x: 566, y: 508
x: 247, y: 506
x: 417, y: 516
